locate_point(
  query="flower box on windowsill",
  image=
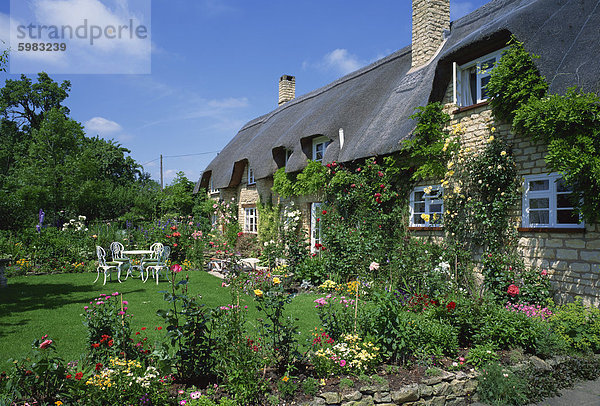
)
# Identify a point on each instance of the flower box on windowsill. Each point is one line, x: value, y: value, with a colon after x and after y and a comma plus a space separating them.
x: 425, y: 228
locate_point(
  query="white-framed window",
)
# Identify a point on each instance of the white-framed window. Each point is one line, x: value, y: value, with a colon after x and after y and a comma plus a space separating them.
x: 319, y: 144
x: 426, y: 206
x: 211, y: 188
x: 315, y: 226
x: 547, y: 203
x: 250, y: 220
x: 214, y: 220
x: 251, y: 180
x: 471, y: 79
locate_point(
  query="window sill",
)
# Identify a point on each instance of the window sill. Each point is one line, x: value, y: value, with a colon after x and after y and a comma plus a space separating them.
x: 425, y: 228
x: 251, y: 184
x: 551, y: 230
x: 471, y: 107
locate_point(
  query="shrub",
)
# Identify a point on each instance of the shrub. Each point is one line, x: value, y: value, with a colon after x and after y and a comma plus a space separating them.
x: 500, y: 386
x: 336, y: 314
x: 402, y: 333
x: 578, y: 326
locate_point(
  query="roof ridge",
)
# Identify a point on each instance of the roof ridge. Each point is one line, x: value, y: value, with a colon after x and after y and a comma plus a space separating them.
x: 314, y: 93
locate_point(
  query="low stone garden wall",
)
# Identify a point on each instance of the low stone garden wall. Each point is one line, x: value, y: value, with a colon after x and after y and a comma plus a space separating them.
x: 445, y: 389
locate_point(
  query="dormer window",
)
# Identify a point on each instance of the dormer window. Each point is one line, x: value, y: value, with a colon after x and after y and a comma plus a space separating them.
x: 471, y: 79
x: 251, y: 180
x: 288, y: 153
x: 211, y: 187
x: 319, y: 144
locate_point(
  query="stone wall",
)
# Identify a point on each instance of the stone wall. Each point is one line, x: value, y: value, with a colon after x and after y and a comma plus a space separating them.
x: 449, y: 389
x: 572, y: 257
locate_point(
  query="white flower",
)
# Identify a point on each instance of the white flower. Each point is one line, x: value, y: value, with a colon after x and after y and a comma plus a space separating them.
x: 374, y: 266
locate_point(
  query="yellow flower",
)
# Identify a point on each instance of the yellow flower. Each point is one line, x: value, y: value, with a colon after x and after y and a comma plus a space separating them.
x: 450, y: 164
x: 427, y: 190
x: 276, y: 280
x: 258, y: 292
x: 490, y: 139
x: 285, y: 379
x: 425, y: 217
x: 503, y: 153
x: 58, y: 403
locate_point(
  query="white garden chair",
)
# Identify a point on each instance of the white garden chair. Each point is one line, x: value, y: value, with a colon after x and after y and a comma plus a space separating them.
x: 107, y: 266
x: 161, y: 264
x: 116, y: 249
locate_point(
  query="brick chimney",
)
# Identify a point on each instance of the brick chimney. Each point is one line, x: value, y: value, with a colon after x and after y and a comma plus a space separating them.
x: 287, y: 88
x: 430, y: 18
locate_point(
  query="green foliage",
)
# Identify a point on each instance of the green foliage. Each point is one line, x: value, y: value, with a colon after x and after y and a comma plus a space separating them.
x: 578, y: 326
x: 428, y: 151
x: 482, y: 354
x: 502, y: 269
x: 514, y: 80
x: 309, y: 181
x: 570, y: 124
x: 108, y: 328
x: 401, y: 333
x: 499, y: 386
x: 336, y: 315
x: 479, y: 192
x: 41, y: 376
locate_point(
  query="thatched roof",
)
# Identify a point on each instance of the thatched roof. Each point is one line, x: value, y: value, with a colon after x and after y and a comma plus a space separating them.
x: 373, y: 104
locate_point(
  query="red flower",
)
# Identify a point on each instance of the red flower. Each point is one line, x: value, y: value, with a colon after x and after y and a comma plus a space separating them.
x: 174, y: 245
x: 143, y: 328
x: 95, y: 345
x: 175, y: 268
x: 173, y: 228
x: 159, y: 328
x: 513, y: 290
x: 324, y: 211
x: 382, y: 186
x: 240, y: 234
x: 358, y: 170
x: 451, y: 306
x: 79, y: 375
x: 380, y: 174
x: 45, y: 344
x: 176, y: 234
x: 68, y: 376
x: 110, y: 343
x: 99, y: 366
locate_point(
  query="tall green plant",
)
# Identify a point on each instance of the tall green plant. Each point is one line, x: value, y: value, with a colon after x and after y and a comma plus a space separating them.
x: 514, y: 80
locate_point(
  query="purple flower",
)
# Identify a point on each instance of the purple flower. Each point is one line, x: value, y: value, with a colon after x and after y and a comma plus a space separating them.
x: 41, y: 216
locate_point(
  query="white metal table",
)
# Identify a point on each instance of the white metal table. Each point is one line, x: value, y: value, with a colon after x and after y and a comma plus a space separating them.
x: 142, y: 253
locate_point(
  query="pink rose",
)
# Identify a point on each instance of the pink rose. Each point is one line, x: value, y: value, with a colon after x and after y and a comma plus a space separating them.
x: 343, y: 363
x: 544, y: 272
x: 176, y: 268
x: 45, y: 344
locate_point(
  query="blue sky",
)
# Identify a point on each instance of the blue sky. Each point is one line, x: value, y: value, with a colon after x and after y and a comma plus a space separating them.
x: 215, y: 64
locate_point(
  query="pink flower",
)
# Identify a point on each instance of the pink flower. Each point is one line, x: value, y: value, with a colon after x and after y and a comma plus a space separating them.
x: 544, y: 272
x: 343, y: 363
x: 176, y: 268
x: 125, y: 302
x: 121, y: 313
x: 513, y: 290
x: 45, y: 344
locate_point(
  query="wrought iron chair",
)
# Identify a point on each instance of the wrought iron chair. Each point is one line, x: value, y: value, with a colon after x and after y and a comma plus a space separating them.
x: 107, y: 266
x: 157, y: 249
x: 160, y: 265
x: 116, y: 248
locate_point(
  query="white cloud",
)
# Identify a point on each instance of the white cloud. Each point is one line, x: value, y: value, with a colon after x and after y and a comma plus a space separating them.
x: 113, y: 34
x: 339, y: 61
x: 102, y: 126
x: 460, y: 9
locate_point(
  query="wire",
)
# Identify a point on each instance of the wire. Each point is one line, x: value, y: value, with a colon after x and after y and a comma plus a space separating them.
x: 179, y: 156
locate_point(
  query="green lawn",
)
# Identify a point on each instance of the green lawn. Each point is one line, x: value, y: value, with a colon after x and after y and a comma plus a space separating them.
x: 31, y: 306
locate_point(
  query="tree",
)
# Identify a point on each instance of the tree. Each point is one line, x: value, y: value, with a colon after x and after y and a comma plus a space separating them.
x: 26, y: 103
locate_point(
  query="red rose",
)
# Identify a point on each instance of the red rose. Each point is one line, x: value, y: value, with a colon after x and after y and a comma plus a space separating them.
x: 79, y: 375
x: 99, y: 366
x: 451, y: 306
x: 68, y: 376
x: 240, y: 234
x: 380, y: 174
x: 95, y: 345
x: 513, y: 290
x: 324, y: 211
x: 173, y: 228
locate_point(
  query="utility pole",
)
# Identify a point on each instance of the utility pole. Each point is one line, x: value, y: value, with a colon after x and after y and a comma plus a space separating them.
x: 161, y: 173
